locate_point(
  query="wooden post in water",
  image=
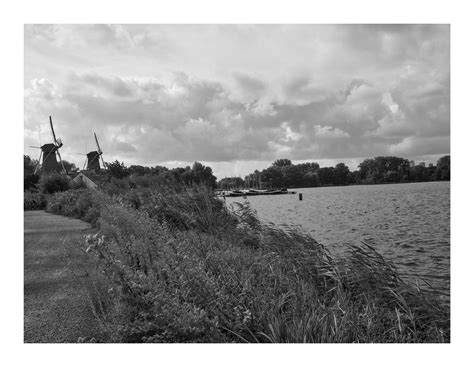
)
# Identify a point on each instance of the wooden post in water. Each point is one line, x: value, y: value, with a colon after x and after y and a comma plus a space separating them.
x: 301, y: 196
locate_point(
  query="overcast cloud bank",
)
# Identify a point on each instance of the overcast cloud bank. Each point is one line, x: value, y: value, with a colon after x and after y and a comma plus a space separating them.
x: 238, y: 97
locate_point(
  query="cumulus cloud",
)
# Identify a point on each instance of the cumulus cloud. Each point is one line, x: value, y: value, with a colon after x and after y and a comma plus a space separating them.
x: 337, y: 92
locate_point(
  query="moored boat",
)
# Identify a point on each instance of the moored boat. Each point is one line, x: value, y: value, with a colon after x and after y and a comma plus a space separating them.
x: 254, y: 192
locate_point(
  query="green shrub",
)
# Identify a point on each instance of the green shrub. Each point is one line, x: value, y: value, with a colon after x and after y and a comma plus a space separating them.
x: 53, y: 182
x: 34, y: 201
x: 80, y: 203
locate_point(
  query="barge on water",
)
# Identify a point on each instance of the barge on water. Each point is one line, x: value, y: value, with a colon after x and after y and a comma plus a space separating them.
x: 253, y: 192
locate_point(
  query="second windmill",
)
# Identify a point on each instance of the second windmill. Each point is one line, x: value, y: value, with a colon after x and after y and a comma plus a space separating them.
x: 93, y: 157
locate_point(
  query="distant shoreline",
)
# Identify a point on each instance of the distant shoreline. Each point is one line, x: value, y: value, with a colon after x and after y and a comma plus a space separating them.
x: 355, y: 184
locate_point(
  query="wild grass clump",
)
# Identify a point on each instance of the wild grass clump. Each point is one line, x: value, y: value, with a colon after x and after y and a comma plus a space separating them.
x: 181, y: 267
x: 34, y: 200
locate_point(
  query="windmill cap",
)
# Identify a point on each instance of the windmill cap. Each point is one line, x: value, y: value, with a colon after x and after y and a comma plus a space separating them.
x: 48, y: 147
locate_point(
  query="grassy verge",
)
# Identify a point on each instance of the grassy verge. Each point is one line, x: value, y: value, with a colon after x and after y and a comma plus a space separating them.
x: 178, y: 266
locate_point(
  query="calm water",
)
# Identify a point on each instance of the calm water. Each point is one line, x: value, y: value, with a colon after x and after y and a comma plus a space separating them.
x: 408, y: 223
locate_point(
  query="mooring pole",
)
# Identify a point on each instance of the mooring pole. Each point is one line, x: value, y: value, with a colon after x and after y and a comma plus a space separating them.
x: 301, y: 196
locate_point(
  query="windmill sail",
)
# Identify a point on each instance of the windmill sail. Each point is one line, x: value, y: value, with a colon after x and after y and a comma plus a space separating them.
x: 97, y: 142
x: 52, y: 129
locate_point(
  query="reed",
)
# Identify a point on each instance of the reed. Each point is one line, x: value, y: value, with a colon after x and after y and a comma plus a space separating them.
x: 182, y: 267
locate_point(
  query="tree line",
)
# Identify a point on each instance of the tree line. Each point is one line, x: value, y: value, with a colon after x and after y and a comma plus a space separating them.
x: 378, y: 170
x: 135, y: 175
x: 281, y: 173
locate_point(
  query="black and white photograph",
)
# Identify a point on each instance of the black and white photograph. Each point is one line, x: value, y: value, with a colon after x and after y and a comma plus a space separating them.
x: 237, y: 183
x: 203, y: 184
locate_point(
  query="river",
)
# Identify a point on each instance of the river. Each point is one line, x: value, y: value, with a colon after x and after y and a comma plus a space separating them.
x: 407, y: 223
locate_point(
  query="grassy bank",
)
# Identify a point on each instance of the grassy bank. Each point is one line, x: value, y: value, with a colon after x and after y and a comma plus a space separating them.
x: 175, y: 265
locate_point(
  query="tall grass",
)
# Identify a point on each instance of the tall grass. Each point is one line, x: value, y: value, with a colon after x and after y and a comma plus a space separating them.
x: 178, y: 266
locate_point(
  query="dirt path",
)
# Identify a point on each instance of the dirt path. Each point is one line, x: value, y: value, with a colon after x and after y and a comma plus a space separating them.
x: 56, y: 307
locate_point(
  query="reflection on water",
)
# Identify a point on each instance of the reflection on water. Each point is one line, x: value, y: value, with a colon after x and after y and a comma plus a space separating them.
x: 408, y: 223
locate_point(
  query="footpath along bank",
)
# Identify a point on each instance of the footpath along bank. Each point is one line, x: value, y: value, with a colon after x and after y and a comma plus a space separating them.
x: 56, y: 308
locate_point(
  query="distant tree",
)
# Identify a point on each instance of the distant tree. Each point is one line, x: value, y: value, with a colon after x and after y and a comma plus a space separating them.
x: 29, y: 165
x: 253, y: 180
x: 272, y: 177
x: 136, y: 170
x: 53, y: 182
x: 158, y: 170
x: 178, y: 174
x: 431, y: 173
x: 117, y: 169
x: 418, y: 173
x: 70, y: 167
x: 326, y: 175
x: 231, y: 183
x: 30, y: 179
x: 203, y: 175
x: 368, y: 171
x: 353, y: 177
x: 392, y: 177
x: 384, y: 169
x: 309, y: 167
x: 443, y: 168
x: 311, y: 179
x: 282, y: 162
x: 292, y: 175
x: 341, y: 173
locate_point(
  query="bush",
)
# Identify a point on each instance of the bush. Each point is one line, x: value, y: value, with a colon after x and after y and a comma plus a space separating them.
x: 53, y: 182
x: 30, y: 181
x: 34, y: 201
x: 80, y: 203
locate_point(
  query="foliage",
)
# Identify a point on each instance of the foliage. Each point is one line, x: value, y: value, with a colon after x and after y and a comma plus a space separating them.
x: 116, y: 170
x: 80, y: 203
x: 53, y: 182
x: 30, y: 178
x: 379, y: 170
x: 443, y: 168
x: 198, y: 174
x: 31, y: 181
x: 231, y: 183
x: 202, y: 175
x: 282, y: 162
x: 29, y: 165
x: 175, y: 264
x: 34, y: 201
x: 178, y: 266
x: 70, y: 167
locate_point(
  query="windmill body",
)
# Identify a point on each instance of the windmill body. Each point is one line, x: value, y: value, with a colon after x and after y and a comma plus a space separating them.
x: 93, y: 160
x: 94, y: 156
x: 49, y: 162
x: 92, y: 175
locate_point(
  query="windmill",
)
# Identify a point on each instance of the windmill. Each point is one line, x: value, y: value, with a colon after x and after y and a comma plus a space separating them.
x: 47, y: 161
x: 93, y: 157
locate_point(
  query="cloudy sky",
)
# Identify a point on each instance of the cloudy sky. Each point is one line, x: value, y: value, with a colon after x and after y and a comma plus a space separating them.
x: 239, y: 97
